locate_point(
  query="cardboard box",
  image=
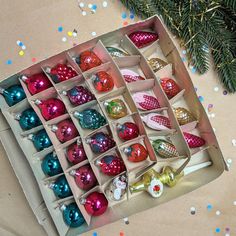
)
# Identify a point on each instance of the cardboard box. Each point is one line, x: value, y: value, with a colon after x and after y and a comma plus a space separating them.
x: 46, y: 207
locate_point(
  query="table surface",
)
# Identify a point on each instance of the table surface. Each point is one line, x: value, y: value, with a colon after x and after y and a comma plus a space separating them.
x: 37, y: 24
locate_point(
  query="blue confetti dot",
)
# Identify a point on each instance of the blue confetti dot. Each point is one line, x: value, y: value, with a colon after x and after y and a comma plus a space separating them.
x: 217, y: 230
x: 131, y: 16
x: 95, y: 234
x: 60, y: 28
x: 184, y: 52
x: 9, y: 62
x: 193, y: 70
x: 209, y: 207
x: 183, y: 59
x: 124, y: 15
x: 94, y: 7
x: 201, y: 99
x: 21, y: 44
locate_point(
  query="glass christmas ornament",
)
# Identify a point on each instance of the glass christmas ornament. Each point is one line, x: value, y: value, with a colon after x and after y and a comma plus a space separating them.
x: 36, y: 83
x: 183, y: 115
x: 156, y: 121
x: 102, y: 81
x: 84, y: 177
x: 51, y: 108
x: 164, y: 149
x: 170, y: 87
x: 65, y: 130
x: 40, y: 140
x: 127, y: 131
x: 194, y: 141
x: 136, y: 152
x: 143, y: 38
x: 95, y: 203
x: 116, y: 52
x: 90, y: 119
x: 13, y: 94
x: 145, y: 101
x: 51, y: 165
x: 156, y: 64
x: 28, y: 119
x: 131, y: 76
x: 100, y: 142
x: 116, y: 108
x: 88, y: 60
x: 79, y: 95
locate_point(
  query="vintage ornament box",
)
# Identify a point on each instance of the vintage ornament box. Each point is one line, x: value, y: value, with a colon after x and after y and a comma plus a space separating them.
x: 27, y: 160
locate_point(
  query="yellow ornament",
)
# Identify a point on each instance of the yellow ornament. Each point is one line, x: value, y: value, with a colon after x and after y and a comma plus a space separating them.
x: 116, y: 108
x: 183, y: 116
x: 157, y: 64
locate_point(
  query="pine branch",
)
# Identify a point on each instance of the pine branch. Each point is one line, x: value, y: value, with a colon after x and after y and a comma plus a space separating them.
x: 231, y: 4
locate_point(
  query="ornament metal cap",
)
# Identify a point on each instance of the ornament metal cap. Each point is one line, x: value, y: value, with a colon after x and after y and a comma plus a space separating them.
x: 54, y: 128
x: 2, y: 90
x: 62, y: 207
x: 50, y: 185
x: 30, y: 136
x: 24, y: 78
x: 93, y: 77
x: 72, y: 172
x: 17, y: 116
x: 63, y: 93
x: 106, y: 103
x: 48, y: 70
x: 54, y: 154
x: 82, y: 201
x: 97, y: 162
x: 77, y: 114
x: 79, y: 141
x: 88, y: 140
x: 127, y: 150
x: 37, y: 102
x: 119, y: 126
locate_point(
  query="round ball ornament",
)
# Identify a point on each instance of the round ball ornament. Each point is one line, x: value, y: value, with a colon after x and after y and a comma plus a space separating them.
x: 36, y: 83
x: 103, y: 82
x: 72, y: 215
x: 95, y: 203
x: 75, y: 153
x: 84, y: 177
x: 51, y: 108
x: 90, y: 119
x: 170, y: 87
x: 51, y: 165
x: 127, y: 131
x: 13, y: 94
x: 28, y: 119
x: 116, y: 108
x: 136, y: 152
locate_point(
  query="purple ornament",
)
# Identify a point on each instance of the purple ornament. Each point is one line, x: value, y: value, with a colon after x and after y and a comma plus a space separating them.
x: 79, y: 95
x: 100, y: 142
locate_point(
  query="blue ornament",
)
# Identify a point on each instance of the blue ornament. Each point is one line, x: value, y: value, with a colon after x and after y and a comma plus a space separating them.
x: 40, y: 140
x: 61, y: 187
x: 90, y: 119
x: 13, y: 94
x: 51, y: 165
x: 72, y: 215
x: 28, y: 119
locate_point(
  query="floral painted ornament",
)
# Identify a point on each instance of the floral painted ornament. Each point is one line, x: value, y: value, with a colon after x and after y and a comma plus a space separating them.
x: 145, y: 101
x: 156, y: 121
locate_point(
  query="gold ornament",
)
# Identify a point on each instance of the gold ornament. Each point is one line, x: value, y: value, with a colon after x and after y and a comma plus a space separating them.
x: 116, y: 108
x: 183, y: 116
x: 157, y: 64
x: 164, y: 149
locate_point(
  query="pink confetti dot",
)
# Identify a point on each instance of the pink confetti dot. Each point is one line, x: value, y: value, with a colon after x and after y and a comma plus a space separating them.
x: 33, y: 59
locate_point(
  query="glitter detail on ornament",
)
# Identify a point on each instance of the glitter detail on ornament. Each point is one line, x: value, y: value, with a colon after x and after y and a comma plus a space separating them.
x: 145, y: 101
x: 170, y: 87
x: 116, y: 108
x: 127, y: 131
x: 130, y: 76
x: 194, y: 141
x: 156, y: 121
x: 116, y: 52
x: 136, y: 152
x: 183, y: 116
x: 156, y: 64
x: 164, y: 149
x: 102, y: 81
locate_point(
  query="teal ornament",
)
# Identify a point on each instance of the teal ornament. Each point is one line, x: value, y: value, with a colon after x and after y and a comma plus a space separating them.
x: 40, y: 140
x: 61, y: 187
x: 13, y: 94
x: 28, y: 119
x: 51, y: 165
x: 72, y: 215
x: 90, y: 119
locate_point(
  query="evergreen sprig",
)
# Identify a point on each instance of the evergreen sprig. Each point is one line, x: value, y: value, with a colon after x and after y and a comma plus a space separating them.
x: 205, y: 27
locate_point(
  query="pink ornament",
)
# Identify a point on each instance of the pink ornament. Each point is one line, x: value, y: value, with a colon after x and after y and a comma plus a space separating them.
x: 142, y: 39
x: 95, y: 203
x: 51, y: 108
x: 36, y: 83
x: 84, y: 177
x: 75, y: 153
x: 131, y: 76
x: 157, y: 122
x: 65, y: 130
x: 194, y: 141
x: 144, y: 101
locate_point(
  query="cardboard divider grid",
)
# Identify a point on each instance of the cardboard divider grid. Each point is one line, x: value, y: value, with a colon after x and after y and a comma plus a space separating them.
x: 138, y: 62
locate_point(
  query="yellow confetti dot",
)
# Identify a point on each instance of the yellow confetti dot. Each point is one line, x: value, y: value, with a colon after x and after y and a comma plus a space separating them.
x: 70, y: 33
x: 21, y: 53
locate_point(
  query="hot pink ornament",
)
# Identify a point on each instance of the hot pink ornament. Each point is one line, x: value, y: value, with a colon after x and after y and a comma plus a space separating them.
x: 157, y: 122
x: 36, y: 83
x: 65, y: 130
x: 144, y: 101
x: 194, y: 141
x: 51, y: 108
x: 75, y: 153
x: 95, y: 203
x: 142, y: 39
x: 84, y: 177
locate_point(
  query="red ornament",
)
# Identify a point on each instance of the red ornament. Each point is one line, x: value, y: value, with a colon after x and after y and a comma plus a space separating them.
x: 103, y: 82
x: 88, y: 60
x: 95, y: 203
x: 170, y: 87
x: 194, y: 141
x: 127, y: 131
x: 36, y: 83
x: 111, y: 165
x: 84, y: 177
x: 65, y: 130
x: 75, y: 153
x: 61, y: 72
x: 136, y: 152
x: 144, y: 101
x: 142, y: 39
x: 51, y: 108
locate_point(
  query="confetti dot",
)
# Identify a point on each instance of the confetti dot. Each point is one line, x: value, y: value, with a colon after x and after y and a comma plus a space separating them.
x: 126, y: 220
x: 84, y: 13
x: 125, y: 23
x: 95, y: 234
x: 94, y: 7
x: 131, y: 16
x: 104, y: 4
x: 234, y: 142
x: 213, y: 115
x: 216, y: 89
x: 60, y: 29
x: 193, y: 70
x: 21, y: 44
x: 218, y: 213
x: 33, y: 59
x: 23, y: 47
x: 201, y: 99
x: 183, y: 59
x: 234, y: 203
x: 227, y: 234
x: 210, y: 107
x: 227, y: 229
x: 74, y: 34
x: 214, y: 129
x: 229, y: 161
x: 209, y: 207
x: 9, y: 62
x: 70, y: 33
x: 225, y: 92
x: 122, y: 234
x: 184, y: 52
x: 124, y: 15
x: 21, y: 53
x: 18, y: 42
x: 217, y: 230
x: 90, y: 5
x: 193, y: 210
x: 93, y: 11
x: 94, y: 33
x: 81, y: 4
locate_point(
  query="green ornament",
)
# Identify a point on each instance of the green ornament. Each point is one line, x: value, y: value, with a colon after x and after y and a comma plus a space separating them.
x: 164, y: 149
x: 116, y: 52
x: 116, y: 108
x: 90, y: 119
